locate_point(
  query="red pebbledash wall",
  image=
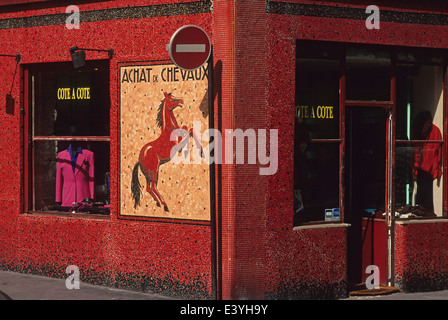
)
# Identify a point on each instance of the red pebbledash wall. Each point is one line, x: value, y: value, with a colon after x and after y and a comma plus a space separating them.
x: 312, y: 262
x: 172, y: 258
x: 258, y: 254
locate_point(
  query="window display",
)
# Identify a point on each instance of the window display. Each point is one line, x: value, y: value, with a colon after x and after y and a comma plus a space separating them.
x: 75, y: 176
x: 69, y: 138
x: 419, y: 152
x: 382, y: 148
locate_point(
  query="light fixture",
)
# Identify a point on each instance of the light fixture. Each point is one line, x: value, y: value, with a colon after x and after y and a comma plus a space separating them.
x: 17, y: 56
x: 79, y: 56
x: 10, y: 101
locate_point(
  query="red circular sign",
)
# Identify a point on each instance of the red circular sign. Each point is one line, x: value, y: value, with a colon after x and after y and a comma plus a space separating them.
x: 189, y: 47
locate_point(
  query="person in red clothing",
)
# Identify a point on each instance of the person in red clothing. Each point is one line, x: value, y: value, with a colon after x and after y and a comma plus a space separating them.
x: 427, y: 166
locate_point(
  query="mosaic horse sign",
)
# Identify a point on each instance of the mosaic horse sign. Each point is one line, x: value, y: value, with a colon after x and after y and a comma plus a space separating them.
x: 159, y: 103
x: 160, y: 151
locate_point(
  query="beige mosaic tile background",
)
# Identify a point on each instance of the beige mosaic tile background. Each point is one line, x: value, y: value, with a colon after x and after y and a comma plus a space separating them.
x: 185, y: 187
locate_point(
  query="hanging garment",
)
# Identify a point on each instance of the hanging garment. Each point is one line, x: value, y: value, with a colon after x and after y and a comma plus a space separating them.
x: 429, y: 156
x: 75, y: 181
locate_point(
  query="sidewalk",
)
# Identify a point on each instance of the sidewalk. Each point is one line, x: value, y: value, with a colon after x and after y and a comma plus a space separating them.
x: 18, y: 286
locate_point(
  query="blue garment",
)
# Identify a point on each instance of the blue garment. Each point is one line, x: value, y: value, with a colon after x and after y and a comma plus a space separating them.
x: 73, y: 156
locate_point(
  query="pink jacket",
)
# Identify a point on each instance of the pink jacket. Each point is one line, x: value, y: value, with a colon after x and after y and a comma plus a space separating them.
x: 74, y: 186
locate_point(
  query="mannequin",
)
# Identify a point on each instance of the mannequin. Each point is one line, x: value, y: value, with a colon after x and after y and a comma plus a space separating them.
x: 75, y: 179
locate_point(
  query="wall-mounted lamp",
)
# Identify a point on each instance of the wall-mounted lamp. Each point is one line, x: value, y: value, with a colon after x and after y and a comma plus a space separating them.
x: 10, y: 101
x: 17, y: 56
x: 79, y: 55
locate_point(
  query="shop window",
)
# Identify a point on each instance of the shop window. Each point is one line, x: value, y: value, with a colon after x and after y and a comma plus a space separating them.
x: 68, y: 123
x: 316, y: 153
x: 374, y: 78
x: 419, y: 133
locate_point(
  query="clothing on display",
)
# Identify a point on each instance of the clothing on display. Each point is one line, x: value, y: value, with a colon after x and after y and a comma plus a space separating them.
x: 429, y: 157
x: 428, y: 167
x: 75, y: 180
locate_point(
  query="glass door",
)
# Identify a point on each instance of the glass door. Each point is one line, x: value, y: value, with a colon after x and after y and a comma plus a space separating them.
x: 366, y: 153
x: 368, y: 94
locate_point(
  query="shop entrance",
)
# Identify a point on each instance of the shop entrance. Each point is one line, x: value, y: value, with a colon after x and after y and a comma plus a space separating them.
x: 366, y: 203
x: 379, y: 156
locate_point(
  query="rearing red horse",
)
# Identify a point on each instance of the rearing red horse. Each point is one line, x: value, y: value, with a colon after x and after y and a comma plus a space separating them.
x: 160, y: 151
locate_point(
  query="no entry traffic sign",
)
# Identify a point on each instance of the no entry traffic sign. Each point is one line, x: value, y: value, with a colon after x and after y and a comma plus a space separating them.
x: 189, y: 47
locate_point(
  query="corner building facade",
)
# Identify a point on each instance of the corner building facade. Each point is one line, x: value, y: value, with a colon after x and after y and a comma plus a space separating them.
x: 360, y: 179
